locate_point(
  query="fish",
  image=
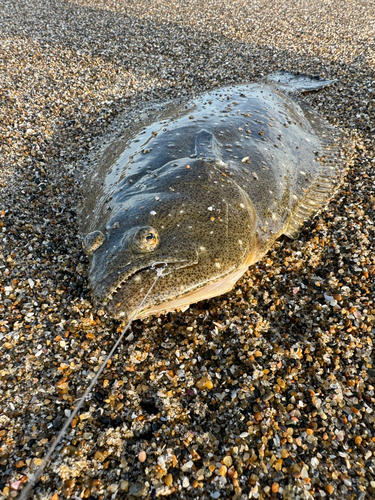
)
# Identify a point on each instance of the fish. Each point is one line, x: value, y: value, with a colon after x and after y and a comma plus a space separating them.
x: 200, y: 189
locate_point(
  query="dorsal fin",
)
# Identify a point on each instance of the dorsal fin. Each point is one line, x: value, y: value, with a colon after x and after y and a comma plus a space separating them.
x: 206, y: 146
x: 334, y: 149
x: 293, y: 82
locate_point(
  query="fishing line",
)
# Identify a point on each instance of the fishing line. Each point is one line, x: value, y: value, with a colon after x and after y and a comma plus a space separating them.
x: 39, y: 470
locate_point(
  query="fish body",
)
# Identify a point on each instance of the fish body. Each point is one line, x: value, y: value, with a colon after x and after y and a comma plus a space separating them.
x: 204, y: 191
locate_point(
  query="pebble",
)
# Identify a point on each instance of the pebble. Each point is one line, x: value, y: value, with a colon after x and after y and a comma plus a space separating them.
x: 275, y: 487
x: 329, y: 489
x: 137, y: 489
x: 223, y: 470
x: 358, y: 440
x: 277, y: 375
x: 124, y: 485
x: 113, y: 487
x: 142, y: 456
x: 168, y: 480
x: 204, y: 383
x: 15, y: 485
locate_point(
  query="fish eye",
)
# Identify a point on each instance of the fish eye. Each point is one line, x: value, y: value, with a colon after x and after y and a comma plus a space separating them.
x: 145, y: 239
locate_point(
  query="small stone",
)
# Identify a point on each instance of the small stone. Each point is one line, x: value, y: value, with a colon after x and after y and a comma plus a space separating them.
x: 185, y: 482
x: 329, y: 489
x: 124, y: 485
x: 281, y: 383
x: 232, y: 473
x: 275, y: 487
x: 268, y: 396
x: 278, y: 465
x: 223, y: 470
x: 358, y: 440
x: 204, y: 383
x: 187, y: 466
x: 68, y: 487
x: 168, y: 480
x: 86, y: 493
x: 227, y: 460
x: 137, y: 489
x: 15, y: 485
x: 284, y: 453
x: 99, y: 456
x: 142, y: 456
x: 113, y: 487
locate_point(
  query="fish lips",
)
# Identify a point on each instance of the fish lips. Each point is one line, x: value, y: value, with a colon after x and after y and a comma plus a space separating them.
x: 133, y: 280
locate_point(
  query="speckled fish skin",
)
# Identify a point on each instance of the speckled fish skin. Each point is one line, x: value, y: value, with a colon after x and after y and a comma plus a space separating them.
x: 214, y: 182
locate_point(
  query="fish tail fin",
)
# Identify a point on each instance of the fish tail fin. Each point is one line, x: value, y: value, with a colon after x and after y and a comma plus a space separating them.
x: 293, y: 82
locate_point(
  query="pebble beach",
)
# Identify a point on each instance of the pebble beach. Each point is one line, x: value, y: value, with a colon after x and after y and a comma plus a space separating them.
x: 267, y: 392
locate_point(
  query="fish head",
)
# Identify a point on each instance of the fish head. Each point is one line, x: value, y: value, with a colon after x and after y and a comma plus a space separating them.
x: 192, y: 226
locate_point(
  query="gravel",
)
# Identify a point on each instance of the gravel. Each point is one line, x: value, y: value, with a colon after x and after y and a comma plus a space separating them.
x: 265, y: 392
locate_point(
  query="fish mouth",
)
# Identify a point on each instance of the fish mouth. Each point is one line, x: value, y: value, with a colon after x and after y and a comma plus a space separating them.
x: 222, y: 284
x: 130, y: 273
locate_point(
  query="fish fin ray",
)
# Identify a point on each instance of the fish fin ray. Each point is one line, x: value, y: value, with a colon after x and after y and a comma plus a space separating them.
x: 334, y: 158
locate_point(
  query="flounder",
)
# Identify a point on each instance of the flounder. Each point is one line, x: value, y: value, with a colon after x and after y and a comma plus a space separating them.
x: 204, y: 191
